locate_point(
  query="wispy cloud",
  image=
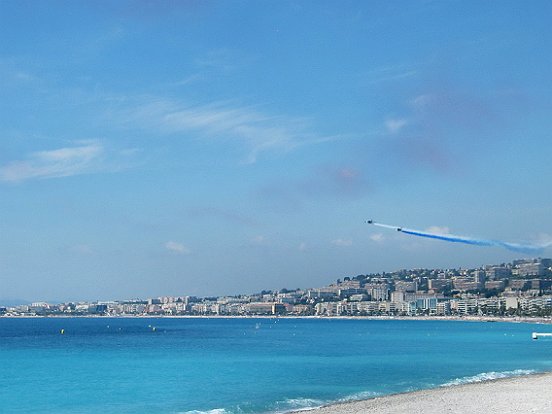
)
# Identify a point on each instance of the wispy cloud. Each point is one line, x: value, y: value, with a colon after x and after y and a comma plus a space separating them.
x: 395, y: 125
x: 188, y: 80
x: 438, y: 229
x: 258, y: 131
x: 377, y: 237
x: 544, y: 238
x: 61, y: 162
x: 342, y: 242
x: 390, y: 73
x: 177, y: 248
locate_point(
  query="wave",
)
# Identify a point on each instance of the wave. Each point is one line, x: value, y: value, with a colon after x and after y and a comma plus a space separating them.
x: 289, y: 405
x: 307, y: 404
x: 487, y: 376
x: 363, y: 395
x: 298, y: 404
x: 285, y: 406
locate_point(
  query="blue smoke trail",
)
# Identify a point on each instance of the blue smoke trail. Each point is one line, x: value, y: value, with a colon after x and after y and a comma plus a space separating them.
x: 516, y: 247
x: 523, y: 248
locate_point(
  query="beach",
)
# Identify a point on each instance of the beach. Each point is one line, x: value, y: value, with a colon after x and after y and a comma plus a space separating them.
x: 524, y: 394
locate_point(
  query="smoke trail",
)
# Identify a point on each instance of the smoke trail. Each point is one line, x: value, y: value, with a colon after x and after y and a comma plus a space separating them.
x: 387, y: 226
x: 516, y: 247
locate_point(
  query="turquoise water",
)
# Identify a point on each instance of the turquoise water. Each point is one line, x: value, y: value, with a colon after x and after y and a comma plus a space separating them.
x: 112, y: 365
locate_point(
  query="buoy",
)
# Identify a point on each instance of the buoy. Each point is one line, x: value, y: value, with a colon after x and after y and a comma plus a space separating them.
x: 62, y: 331
x: 153, y: 329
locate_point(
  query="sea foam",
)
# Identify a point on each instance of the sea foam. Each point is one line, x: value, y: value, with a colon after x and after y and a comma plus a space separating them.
x: 298, y: 404
x: 363, y: 395
x: 487, y: 376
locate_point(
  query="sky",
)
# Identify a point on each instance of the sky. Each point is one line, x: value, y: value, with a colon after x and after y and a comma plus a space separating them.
x: 203, y: 147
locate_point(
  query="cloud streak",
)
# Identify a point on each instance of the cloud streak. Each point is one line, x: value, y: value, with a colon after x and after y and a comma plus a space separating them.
x: 395, y: 125
x: 377, y: 237
x: 258, y: 131
x: 390, y: 74
x: 342, y: 242
x: 61, y: 162
x: 178, y: 248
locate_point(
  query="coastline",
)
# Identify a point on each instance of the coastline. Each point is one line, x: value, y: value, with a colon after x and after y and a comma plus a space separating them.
x: 471, y: 318
x: 525, y: 393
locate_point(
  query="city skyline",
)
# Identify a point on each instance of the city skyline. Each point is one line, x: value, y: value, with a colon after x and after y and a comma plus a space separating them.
x: 221, y: 147
x: 520, y: 288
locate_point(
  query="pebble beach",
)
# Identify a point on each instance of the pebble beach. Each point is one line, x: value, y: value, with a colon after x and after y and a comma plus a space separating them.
x: 524, y: 394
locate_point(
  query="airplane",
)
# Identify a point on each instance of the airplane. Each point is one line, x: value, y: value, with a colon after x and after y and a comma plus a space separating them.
x: 383, y: 225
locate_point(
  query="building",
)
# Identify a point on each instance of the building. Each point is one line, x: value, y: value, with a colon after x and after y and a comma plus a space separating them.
x: 265, y: 308
x: 378, y: 291
x: 439, y: 285
x: 405, y: 286
x: 495, y: 284
x: 498, y: 272
x: 464, y: 284
x: 519, y: 284
x: 479, y: 277
x: 531, y: 267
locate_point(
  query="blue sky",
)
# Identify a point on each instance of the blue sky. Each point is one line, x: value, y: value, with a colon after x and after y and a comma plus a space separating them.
x: 199, y: 147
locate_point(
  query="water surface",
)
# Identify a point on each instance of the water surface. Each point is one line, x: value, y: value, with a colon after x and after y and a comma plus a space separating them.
x: 166, y: 365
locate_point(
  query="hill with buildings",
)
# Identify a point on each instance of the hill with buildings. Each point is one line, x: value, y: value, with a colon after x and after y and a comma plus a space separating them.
x: 520, y: 288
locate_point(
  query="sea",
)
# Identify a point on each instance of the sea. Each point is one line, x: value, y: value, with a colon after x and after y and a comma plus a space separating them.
x: 247, y: 365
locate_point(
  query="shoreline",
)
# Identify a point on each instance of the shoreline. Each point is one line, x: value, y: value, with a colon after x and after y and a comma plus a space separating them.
x: 470, y: 318
x: 523, y: 393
